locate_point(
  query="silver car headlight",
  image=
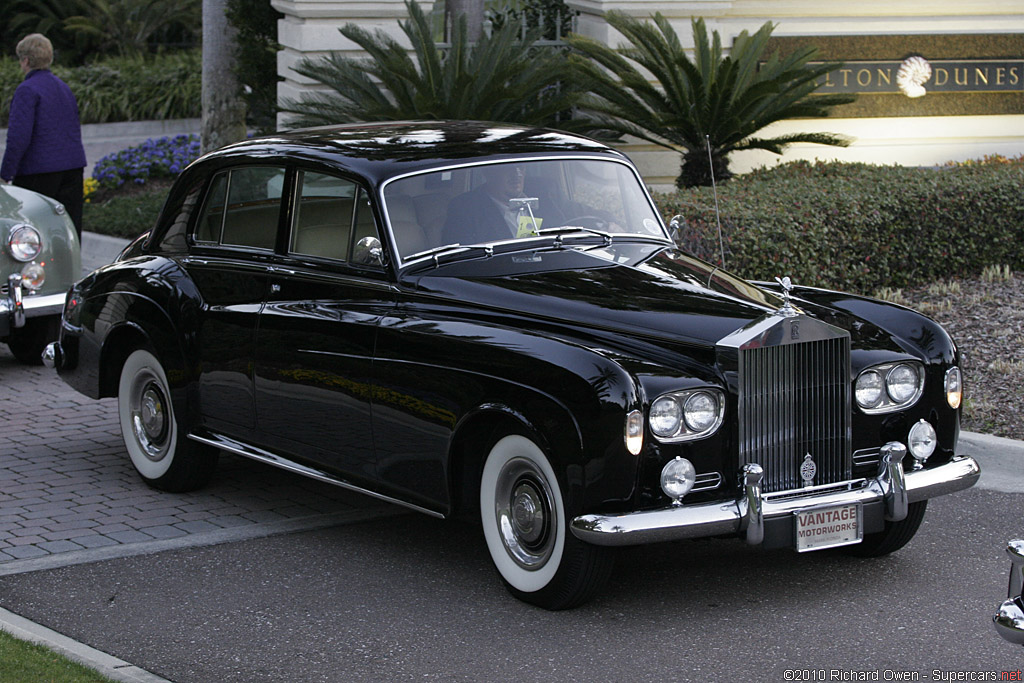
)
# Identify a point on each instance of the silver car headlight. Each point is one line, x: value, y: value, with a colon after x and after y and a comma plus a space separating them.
x: 889, y: 387
x: 687, y: 415
x: 24, y: 242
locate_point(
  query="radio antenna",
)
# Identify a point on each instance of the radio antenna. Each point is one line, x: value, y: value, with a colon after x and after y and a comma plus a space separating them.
x: 714, y: 188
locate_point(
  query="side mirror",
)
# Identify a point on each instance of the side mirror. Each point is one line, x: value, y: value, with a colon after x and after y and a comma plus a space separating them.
x: 676, y: 225
x: 368, y: 252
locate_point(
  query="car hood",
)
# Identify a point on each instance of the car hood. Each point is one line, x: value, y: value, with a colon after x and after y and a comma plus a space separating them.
x: 640, y: 290
x: 663, y: 294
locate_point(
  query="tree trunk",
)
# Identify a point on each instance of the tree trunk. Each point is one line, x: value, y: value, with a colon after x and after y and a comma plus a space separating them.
x: 473, y: 10
x: 223, y: 108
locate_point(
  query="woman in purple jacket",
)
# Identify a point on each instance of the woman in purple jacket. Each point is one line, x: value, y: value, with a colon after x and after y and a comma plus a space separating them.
x: 44, y: 136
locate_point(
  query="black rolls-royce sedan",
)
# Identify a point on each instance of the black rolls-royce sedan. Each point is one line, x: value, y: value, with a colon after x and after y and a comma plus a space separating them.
x: 493, y: 321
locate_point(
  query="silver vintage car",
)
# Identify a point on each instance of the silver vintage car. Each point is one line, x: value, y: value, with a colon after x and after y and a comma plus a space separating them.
x: 39, y: 260
x: 1009, y: 620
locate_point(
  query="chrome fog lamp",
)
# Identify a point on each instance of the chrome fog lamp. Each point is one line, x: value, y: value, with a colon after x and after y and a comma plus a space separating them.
x: 922, y: 440
x: 869, y: 389
x: 902, y: 382
x: 24, y: 243
x: 954, y: 388
x: 33, y: 276
x: 666, y: 416
x: 635, y: 432
x: 677, y: 478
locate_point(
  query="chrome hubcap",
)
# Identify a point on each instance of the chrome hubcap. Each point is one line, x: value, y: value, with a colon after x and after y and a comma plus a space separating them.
x: 149, y: 412
x: 524, y: 512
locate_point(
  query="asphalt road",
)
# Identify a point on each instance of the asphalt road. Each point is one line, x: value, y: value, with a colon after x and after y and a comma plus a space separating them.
x: 413, y: 598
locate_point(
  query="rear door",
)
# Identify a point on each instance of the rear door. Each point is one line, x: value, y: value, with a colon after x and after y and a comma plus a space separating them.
x: 234, y: 238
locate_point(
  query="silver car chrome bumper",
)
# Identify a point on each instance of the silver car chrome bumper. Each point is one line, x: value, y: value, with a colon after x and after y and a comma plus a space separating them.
x: 1009, y: 620
x: 16, y: 306
x: 748, y: 513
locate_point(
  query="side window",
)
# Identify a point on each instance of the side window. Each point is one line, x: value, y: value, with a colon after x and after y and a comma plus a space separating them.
x: 254, y: 207
x: 322, y: 222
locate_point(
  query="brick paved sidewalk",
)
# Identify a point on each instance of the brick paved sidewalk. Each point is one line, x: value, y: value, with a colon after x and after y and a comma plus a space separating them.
x: 67, y: 485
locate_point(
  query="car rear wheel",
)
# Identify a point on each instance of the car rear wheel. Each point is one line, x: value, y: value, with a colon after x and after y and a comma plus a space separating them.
x: 27, y: 343
x: 526, y: 529
x: 893, y: 537
x: 162, y: 456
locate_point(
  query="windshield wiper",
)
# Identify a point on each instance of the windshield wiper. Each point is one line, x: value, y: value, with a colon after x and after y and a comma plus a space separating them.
x: 569, y: 229
x: 445, y: 249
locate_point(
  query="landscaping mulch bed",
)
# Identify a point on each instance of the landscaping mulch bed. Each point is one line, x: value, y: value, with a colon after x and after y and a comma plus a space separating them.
x: 985, y: 316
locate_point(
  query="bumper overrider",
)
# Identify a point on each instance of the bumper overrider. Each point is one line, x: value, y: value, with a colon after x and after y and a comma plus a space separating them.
x: 16, y: 307
x: 1009, y: 620
x: 883, y: 498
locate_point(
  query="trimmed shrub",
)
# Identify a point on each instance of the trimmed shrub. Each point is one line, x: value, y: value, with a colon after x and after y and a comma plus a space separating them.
x: 859, y: 227
x: 167, y: 86
x: 129, y: 214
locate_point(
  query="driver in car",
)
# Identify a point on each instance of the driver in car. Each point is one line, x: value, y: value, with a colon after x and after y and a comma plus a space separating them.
x: 499, y: 209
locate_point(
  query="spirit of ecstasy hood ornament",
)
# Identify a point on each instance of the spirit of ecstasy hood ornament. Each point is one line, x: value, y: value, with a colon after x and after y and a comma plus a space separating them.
x: 787, y: 308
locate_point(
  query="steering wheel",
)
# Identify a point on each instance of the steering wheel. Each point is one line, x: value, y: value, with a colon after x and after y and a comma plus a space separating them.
x: 588, y: 221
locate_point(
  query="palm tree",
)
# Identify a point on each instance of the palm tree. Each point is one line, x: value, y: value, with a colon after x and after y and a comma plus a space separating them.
x: 503, y: 77
x: 709, y: 100
x: 127, y: 27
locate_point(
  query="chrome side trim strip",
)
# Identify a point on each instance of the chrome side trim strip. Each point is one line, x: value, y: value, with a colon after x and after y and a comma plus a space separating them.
x: 258, y: 454
x: 741, y: 514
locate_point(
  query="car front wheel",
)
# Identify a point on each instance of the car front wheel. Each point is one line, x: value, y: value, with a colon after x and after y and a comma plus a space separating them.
x: 162, y: 456
x: 526, y: 529
x: 894, y: 536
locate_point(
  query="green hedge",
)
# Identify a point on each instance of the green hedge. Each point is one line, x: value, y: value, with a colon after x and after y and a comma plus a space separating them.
x: 858, y: 227
x: 167, y: 86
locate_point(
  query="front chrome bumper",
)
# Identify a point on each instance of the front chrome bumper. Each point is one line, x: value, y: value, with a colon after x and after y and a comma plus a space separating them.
x: 16, y: 306
x: 1009, y: 620
x: 748, y: 515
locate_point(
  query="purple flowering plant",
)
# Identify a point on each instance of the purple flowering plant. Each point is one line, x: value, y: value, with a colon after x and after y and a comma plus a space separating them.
x: 161, y: 158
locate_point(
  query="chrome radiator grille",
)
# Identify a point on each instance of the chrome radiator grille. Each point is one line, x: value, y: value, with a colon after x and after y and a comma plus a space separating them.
x: 794, y: 400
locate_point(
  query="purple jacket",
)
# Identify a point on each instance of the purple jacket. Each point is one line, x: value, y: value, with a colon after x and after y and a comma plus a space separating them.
x: 44, y: 134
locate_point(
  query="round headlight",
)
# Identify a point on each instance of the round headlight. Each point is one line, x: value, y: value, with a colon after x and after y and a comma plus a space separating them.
x: 677, y: 478
x: 33, y: 276
x: 24, y: 243
x: 902, y: 383
x: 922, y: 440
x: 869, y: 389
x: 666, y: 416
x: 954, y: 387
x: 700, y: 411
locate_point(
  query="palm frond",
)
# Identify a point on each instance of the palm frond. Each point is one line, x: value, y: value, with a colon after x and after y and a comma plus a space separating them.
x: 651, y: 88
x: 502, y: 77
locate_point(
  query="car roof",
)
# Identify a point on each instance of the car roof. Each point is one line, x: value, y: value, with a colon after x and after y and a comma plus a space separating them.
x: 379, y: 151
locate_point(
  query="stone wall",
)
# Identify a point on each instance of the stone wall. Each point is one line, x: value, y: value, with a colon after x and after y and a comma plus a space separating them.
x: 101, y: 139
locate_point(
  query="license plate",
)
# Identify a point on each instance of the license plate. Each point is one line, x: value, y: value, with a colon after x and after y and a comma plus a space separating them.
x: 828, y: 527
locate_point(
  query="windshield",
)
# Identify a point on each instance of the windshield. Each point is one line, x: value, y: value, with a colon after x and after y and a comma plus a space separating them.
x: 518, y: 200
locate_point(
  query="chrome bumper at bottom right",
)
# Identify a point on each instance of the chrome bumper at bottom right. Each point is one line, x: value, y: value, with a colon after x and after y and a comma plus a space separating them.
x: 1009, y: 620
x: 893, y: 488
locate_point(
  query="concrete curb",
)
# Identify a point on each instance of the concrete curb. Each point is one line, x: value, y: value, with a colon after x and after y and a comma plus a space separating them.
x: 107, y: 665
